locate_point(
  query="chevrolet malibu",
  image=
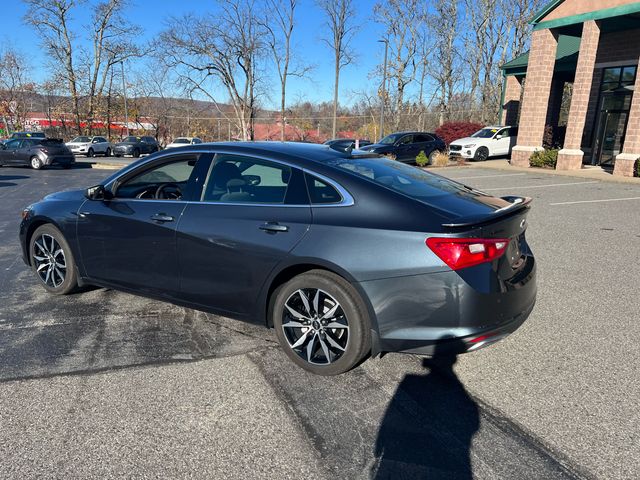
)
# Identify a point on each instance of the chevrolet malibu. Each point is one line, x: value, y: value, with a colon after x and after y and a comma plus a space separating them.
x: 344, y: 254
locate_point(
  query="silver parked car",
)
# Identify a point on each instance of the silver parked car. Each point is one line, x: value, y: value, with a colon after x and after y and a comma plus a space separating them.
x: 90, y: 146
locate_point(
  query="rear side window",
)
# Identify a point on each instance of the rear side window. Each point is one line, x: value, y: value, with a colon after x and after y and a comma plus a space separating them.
x: 410, y: 181
x: 423, y: 137
x: 240, y: 179
x: 320, y: 192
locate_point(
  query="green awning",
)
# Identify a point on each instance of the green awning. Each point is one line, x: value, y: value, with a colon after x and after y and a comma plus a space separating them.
x: 566, y: 57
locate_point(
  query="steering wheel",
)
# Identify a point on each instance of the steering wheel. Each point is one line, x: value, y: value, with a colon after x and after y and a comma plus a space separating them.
x: 168, y: 191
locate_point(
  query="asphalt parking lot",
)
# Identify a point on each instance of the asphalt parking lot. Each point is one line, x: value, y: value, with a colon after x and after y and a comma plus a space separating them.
x: 104, y: 384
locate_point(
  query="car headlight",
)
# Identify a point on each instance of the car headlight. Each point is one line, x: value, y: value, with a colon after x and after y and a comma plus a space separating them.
x: 471, y: 145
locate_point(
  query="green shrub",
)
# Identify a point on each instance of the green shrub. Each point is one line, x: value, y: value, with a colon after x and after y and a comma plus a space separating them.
x: 638, y: 168
x: 544, y: 158
x: 422, y: 159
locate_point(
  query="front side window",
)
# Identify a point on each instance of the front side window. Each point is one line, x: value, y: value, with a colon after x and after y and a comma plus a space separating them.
x: 167, y: 181
x: 240, y: 179
x: 485, y: 133
x: 390, y: 139
x: 12, y: 144
x: 406, y: 140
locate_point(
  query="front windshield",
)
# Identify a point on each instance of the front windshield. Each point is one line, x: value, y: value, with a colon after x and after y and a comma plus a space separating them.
x: 81, y: 140
x: 485, y: 133
x: 130, y: 139
x: 390, y: 139
x: 181, y: 140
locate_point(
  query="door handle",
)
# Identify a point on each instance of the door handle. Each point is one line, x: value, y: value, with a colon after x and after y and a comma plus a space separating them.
x: 273, y: 227
x: 162, y: 217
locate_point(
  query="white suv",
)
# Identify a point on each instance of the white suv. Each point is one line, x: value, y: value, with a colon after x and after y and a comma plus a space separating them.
x: 90, y: 146
x: 495, y: 141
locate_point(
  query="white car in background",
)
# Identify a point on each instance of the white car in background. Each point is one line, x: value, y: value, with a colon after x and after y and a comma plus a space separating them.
x: 184, y: 141
x: 90, y: 146
x: 493, y: 141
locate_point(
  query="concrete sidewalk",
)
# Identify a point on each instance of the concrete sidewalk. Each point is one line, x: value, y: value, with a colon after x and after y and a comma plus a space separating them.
x: 590, y: 172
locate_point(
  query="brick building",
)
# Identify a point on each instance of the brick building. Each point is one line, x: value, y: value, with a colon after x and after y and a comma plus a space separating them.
x: 595, y: 46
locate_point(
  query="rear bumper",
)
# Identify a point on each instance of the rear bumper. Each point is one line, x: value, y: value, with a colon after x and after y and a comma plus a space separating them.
x: 443, y: 311
x: 60, y: 160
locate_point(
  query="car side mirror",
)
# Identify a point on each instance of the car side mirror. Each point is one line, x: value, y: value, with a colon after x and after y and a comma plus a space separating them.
x: 97, y: 192
x: 499, y: 137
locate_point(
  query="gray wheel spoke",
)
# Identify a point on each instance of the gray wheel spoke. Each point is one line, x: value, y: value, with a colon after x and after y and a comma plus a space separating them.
x: 333, y: 343
x: 302, y: 339
x: 331, y: 312
x: 305, y: 302
x: 42, y: 266
x: 40, y: 259
x: 46, y: 280
x: 41, y: 247
x: 316, y: 302
x: 310, y: 346
x: 325, y: 350
x: 295, y: 313
x: 337, y: 325
x: 293, y: 324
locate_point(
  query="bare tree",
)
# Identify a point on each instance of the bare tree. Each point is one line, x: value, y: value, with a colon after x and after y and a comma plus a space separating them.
x: 51, y: 20
x: 401, y: 19
x: 279, y: 23
x: 226, y: 46
x: 444, y: 53
x: 14, y: 88
x: 340, y: 22
x: 111, y: 45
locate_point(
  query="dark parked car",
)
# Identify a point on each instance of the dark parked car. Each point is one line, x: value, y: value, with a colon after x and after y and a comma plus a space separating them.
x: 345, y: 254
x: 35, y: 152
x: 28, y: 135
x: 345, y: 143
x: 136, y: 146
x: 406, y: 146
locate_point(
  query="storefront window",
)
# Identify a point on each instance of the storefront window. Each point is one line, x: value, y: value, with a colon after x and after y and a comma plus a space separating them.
x: 618, y: 77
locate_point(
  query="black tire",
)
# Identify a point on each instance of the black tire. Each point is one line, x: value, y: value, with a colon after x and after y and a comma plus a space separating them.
x: 35, y: 163
x: 91, y: 153
x: 108, y: 152
x: 481, y: 155
x: 344, y: 351
x: 136, y: 153
x: 56, y: 279
x: 432, y: 156
x: 117, y: 155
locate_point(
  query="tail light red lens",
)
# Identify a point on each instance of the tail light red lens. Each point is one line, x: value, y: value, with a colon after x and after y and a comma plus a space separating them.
x: 460, y: 253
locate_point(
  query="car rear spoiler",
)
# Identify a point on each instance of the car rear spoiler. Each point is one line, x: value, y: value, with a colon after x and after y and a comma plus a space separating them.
x: 516, y: 204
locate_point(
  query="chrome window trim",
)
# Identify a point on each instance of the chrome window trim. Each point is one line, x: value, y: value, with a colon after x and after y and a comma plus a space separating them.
x: 347, y: 198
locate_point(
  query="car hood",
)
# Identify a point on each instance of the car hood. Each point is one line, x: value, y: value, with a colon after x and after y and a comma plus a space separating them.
x: 80, y: 144
x: 76, y: 194
x: 467, y: 140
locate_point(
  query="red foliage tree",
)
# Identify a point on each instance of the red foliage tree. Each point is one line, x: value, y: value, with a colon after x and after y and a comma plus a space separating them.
x: 451, y: 131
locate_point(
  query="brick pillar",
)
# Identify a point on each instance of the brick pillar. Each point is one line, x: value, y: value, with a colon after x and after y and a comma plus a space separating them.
x: 570, y: 157
x: 537, y: 87
x: 631, y: 148
x: 511, y: 106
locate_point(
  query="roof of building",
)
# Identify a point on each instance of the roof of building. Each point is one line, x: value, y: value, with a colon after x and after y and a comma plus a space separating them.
x: 566, y: 57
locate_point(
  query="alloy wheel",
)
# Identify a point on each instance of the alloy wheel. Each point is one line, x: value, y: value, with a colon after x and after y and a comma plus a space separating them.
x: 315, y: 326
x: 50, y: 261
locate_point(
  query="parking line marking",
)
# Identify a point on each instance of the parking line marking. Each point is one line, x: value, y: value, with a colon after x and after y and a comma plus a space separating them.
x: 488, y: 176
x: 537, y: 186
x: 596, y: 201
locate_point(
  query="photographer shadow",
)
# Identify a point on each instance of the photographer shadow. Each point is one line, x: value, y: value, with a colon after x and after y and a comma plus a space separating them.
x: 429, y: 425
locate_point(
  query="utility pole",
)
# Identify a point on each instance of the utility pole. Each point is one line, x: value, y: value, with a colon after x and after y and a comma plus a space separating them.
x: 124, y: 91
x: 384, y: 85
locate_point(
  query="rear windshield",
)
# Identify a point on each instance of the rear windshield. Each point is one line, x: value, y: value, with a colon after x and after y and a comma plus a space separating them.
x: 408, y: 180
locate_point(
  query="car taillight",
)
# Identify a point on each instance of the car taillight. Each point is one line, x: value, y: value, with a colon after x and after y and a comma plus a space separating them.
x: 460, y: 253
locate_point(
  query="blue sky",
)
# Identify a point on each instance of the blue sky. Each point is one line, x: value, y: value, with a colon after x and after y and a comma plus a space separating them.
x: 151, y: 15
